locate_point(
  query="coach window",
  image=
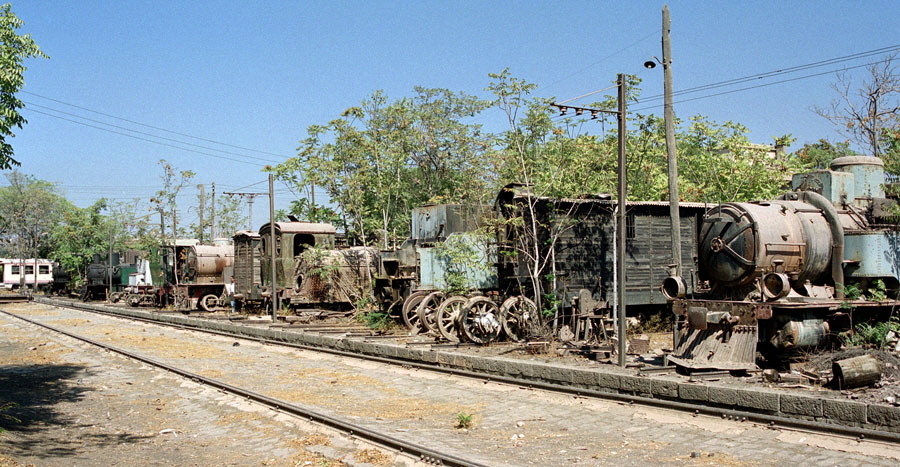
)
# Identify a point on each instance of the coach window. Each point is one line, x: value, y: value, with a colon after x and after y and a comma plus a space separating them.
x: 43, y: 269
x: 14, y: 269
x: 29, y: 269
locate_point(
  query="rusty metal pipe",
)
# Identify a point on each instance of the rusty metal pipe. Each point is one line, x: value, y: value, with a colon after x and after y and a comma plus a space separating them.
x: 837, y: 236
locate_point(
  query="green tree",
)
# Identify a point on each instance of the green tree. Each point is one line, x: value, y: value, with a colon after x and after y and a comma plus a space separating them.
x: 165, y: 201
x: 80, y: 233
x: 819, y: 155
x: 29, y: 209
x: 229, y: 218
x: 721, y: 165
x: 14, y: 49
x: 381, y: 158
x: 890, y: 151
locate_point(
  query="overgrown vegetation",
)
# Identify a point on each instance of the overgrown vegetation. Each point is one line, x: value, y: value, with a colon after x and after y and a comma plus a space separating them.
x: 465, y: 260
x: 872, y: 334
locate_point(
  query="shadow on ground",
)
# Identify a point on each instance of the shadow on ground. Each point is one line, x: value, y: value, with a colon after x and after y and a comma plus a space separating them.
x: 30, y: 396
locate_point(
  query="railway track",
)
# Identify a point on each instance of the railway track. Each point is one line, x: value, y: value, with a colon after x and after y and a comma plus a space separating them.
x: 696, y: 409
x: 385, y: 440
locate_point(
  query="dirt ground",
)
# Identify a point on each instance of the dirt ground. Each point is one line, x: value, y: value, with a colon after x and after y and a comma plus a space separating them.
x: 67, y: 403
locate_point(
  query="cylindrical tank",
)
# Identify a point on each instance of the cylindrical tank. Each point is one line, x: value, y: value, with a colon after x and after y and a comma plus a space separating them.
x: 203, y: 260
x: 868, y: 175
x: 741, y: 241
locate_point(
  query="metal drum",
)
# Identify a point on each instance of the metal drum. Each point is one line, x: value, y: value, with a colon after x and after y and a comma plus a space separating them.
x: 206, y: 261
x: 741, y: 241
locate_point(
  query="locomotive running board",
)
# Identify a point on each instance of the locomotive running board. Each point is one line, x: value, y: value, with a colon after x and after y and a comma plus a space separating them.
x: 719, y: 347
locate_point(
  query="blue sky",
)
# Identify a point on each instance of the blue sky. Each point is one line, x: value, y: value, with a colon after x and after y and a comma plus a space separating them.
x: 241, y: 81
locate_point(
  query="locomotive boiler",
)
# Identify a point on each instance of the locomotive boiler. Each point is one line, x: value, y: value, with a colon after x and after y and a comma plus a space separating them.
x: 200, y: 273
x: 785, y: 274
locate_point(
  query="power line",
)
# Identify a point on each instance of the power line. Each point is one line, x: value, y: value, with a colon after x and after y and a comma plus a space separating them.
x: 582, y: 70
x: 769, y: 74
x: 762, y: 85
x: 140, y: 138
x: 149, y: 134
x: 152, y: 127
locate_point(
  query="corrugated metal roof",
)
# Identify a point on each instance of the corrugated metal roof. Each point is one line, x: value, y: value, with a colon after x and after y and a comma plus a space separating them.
x: 302, y: 227
x: 613, y: 202
x: 246, y: 233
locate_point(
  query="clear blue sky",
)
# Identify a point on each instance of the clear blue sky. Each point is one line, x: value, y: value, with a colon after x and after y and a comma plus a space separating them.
x: 255, y: 75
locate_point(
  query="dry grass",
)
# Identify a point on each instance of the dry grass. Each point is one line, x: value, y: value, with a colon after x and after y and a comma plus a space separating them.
x: 393, y: 408
x: 313, y: 459
x: 306, y: 458
x: 10, y: 462
x: 315, y: 439
x: 238, y: 418
x: 336, y: 378
x: 373, y: 456
x: 36, y: 353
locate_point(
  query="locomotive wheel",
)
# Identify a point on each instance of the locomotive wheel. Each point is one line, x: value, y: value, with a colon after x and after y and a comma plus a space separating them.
x: 408, y: 312
x: 515, y: 314
x: 479, y: 320
x: 209, y: 302
x: 446, y: 317
x: 427, y: 311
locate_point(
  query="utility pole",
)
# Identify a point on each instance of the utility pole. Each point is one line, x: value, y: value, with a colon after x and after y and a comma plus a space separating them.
x: 250, y: 198
x: 622, y: 203
x: 275, y: 303
x: 669, y: 116
x: 212, y: 215
x: 202, y: 202
x: 622, y: 219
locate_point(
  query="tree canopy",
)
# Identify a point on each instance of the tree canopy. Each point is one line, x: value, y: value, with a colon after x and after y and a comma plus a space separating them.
x: 383, y: 157
x: 14, y: 49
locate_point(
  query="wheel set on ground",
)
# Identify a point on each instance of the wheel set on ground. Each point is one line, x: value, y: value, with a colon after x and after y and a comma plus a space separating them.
x: 467, y: 318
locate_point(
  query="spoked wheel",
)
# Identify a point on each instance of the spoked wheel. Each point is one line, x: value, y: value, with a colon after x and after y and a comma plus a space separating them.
x: 447, y: 314
x: 479, y: 320
x: 408, y: 312
x: 427, y: 311
x: 209, y: 302
x: 515, y: 314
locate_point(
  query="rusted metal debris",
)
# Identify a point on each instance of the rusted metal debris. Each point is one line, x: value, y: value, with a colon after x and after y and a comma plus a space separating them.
x: 864, y: 370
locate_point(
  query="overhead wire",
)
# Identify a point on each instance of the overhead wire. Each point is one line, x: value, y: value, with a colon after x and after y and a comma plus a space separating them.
x: 781, y: 71
x: 151, y: 126
x: 140, y: 138
x: 607, y: 57
x: 147, y: 134
x: 760, y: 85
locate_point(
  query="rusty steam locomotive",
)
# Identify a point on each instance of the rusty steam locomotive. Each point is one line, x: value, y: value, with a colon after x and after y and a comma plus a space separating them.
x: 790, y: 273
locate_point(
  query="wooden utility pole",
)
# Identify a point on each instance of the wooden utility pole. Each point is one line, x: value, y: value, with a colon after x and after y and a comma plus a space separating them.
x: 620, y: 250
x: 669, y: 116
x: 250, y: 198
x: 619, y: 278
x: 275, y: 303
x: 212, y: 214
x: 202, y: 202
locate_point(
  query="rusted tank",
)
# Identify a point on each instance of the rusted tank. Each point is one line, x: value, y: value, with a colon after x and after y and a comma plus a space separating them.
x: 207, y: 263
x: 740, y: 242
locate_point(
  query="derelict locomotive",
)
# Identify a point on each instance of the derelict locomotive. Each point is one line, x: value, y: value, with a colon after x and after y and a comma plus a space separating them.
x: 787, y: 273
